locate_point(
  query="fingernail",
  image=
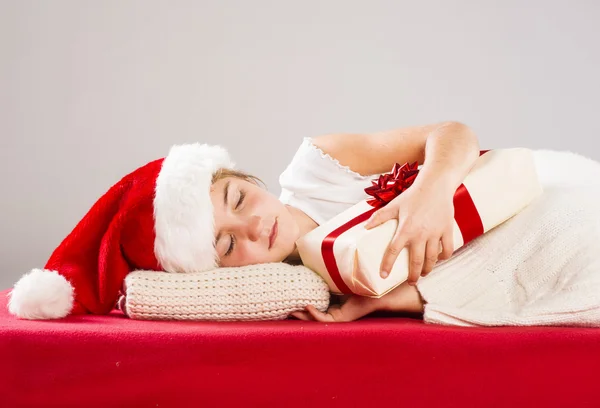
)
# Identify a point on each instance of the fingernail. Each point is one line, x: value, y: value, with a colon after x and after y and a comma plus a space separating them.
x: 384, y: 274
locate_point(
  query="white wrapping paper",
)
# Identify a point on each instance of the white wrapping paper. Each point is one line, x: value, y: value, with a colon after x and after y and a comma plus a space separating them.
x: 501, y: 183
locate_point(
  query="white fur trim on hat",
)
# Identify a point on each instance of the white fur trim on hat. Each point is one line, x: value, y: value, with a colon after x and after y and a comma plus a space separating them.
x: 183, y: 210
x: 41, y: 294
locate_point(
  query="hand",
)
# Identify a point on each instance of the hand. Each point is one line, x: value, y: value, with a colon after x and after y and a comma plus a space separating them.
x: 353, y: 308
x: 425, y: 222
x: 404, y: 298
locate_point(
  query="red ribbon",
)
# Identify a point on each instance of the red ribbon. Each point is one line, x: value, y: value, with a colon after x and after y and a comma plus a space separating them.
x: 385, y: 189
x: 391, y: 185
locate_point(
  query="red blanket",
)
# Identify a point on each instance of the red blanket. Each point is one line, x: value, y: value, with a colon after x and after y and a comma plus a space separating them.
x: 112, y: 361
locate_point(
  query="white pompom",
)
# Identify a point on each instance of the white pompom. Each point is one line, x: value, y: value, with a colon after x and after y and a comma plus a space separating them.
x: 41, y: 294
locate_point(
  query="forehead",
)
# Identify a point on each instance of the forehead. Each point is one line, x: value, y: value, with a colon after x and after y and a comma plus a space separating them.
x: 220, y: 184
x: 217, y: 190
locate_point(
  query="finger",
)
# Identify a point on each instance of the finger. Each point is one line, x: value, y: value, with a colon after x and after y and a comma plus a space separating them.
x: 302, y: 315
x: 379, y: 217
x: 447, y: 244
x: 391, y: 254
x: 416, y: 260
x: 320, y: 316
x: 432, y: 250
x: 355, y: 308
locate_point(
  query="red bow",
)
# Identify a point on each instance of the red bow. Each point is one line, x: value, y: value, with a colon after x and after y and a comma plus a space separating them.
x: 391, y: 185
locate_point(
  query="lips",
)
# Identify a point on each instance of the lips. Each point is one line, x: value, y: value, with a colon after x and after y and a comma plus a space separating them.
x: 273, y: 234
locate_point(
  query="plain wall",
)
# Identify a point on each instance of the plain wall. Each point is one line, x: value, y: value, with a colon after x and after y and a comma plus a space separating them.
x: 90, y: 90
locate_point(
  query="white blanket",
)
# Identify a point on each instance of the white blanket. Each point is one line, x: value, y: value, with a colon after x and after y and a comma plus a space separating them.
x: 541, y: 267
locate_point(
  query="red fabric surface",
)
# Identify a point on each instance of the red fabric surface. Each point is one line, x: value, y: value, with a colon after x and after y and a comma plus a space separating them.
x: 111, y: 361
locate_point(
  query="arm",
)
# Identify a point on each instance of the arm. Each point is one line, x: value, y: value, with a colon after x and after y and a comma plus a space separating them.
x: 447, y: 150
x: 425, y: 212
x: 450, y: 152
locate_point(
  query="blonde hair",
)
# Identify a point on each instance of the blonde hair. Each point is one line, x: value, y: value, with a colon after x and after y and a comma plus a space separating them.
x: 222, y: 173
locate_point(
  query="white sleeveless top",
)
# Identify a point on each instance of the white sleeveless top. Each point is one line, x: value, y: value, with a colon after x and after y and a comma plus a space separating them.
x: 551, y: 276
x: 317, y: 184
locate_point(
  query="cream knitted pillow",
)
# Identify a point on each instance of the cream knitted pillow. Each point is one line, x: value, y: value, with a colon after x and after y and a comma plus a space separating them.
x: 255, y: 292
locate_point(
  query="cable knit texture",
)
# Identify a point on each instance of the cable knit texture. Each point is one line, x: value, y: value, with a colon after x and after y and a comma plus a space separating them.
x: 254, y: 292
x: 541, y: 267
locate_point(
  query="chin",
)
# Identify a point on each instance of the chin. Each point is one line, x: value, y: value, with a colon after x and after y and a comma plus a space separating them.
x: 289, y: 251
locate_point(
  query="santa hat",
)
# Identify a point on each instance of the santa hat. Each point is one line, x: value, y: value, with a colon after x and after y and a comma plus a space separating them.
x: 159, y: 217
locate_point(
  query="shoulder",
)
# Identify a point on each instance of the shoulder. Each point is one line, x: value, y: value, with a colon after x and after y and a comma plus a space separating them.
x: 317, y: 184
x: 376, y: 152
x: 312, y: 164
x: 345, y: 149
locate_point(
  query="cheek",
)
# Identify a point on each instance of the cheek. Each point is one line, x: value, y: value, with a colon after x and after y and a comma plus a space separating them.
x: 288, y: 232
x: 249, y: 253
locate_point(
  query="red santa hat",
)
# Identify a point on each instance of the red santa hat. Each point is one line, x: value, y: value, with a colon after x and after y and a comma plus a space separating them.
x: 159, y: 217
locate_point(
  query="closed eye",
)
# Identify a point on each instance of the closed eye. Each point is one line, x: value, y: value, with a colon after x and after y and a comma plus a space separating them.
x: 231, y: 245
x: 231, y: 237
x: 241, y: 199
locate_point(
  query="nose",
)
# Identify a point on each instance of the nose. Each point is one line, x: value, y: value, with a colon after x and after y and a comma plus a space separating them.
x: 255, y: 227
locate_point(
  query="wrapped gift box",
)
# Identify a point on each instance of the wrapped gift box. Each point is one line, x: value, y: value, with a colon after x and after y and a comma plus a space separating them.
x: 501, y: 183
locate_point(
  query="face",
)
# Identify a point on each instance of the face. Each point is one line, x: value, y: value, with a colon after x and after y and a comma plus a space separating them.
x: 251, y: 225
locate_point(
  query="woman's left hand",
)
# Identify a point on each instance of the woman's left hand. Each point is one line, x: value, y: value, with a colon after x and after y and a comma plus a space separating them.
x: 352, y: 308
x: 403, y: 299
x: 425, y: 221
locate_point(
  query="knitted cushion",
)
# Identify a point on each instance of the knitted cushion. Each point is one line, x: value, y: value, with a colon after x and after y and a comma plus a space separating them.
x: 255, y: 292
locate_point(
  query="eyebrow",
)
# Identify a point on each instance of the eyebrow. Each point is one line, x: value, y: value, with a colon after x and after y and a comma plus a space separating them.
x: 225, y: 194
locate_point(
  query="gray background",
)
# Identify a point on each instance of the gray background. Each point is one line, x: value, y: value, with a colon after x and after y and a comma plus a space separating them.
x: 89, y: 90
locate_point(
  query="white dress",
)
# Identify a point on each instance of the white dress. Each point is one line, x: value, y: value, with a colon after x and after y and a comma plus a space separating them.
x: 541, y: 267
